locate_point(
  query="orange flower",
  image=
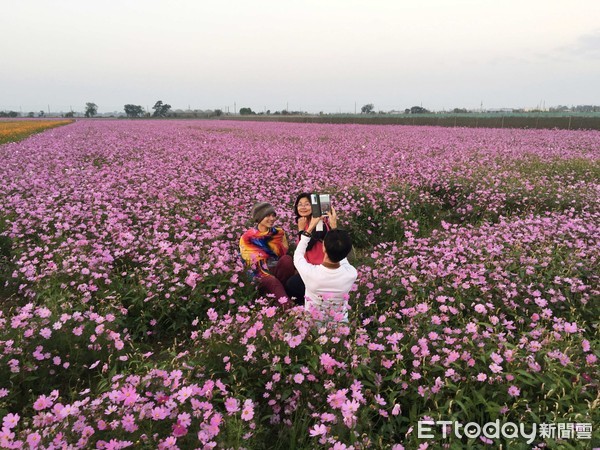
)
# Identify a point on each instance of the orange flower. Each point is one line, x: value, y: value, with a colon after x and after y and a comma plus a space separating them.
x: 15, y: 130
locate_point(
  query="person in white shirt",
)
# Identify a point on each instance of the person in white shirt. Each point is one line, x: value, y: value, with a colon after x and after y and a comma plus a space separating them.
x: 327, y: 284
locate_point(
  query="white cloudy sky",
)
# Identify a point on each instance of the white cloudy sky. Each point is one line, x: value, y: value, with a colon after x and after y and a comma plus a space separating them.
x: 311, y: 55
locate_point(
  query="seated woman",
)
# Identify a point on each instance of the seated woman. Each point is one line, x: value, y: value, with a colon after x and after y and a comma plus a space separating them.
x: 264, y: 250
x: 314, y: 250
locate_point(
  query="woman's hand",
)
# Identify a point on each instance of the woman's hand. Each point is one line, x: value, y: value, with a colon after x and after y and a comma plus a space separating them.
x: 302, y: 222
x: 332, y: 218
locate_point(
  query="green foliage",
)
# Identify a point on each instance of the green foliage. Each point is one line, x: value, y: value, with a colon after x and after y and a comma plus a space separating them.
x: 161, y: 109
x: 52, y: 350
x: 211, y: 325
x: 367, y: 109
x: 91, y: 109
x: 133, y: 111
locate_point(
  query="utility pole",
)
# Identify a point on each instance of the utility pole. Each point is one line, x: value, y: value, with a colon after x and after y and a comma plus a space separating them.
x: 234, y: 108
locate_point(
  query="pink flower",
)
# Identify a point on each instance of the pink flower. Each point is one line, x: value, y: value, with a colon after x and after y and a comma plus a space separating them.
x: 295, y: 341
x: 327, y: 362
x: 452, y: 356
x: 318, y: 430
x: 232, y: 405
x: 337, y: 399
x: 495, y: 368
x: 46, y: 333
x: 34, y: 440
x: 10, y: 421
x: 128, y: 423
x: 159, y: 413
x: 184, y: 419
x: 179, y: 430
x: 42, y: 402
x: 480, y: 308
x: 299, y: 378
x: 585, y: 345
x: 514, y: 391
x: 248, y: 410
x: 212, y: 314
x: 191, y: 279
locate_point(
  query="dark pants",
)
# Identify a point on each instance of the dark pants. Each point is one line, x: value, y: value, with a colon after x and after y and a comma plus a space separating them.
x: 280, y: 274
x: 295, y: 289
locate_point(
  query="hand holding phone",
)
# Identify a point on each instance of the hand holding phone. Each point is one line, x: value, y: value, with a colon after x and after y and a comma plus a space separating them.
x: 332, y: 218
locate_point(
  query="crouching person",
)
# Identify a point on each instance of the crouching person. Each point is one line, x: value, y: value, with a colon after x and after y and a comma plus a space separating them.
x: 264, y: 251
x: 327, y: 284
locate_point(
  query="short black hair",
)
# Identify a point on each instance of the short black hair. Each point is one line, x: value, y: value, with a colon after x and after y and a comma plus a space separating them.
x: 337, y: 244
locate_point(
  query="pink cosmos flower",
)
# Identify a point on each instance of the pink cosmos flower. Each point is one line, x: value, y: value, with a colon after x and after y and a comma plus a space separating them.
x: 295, y: 341
x: 327, y: 362
x: 453, y: 356
x: 514, y: 391
x: 184, y: 419
x: 318, y: 430
x: 46, y: 333
x: 480, y: 308
x: 496, y: 358
x: 585, y: 345
x: 33, y: 440
x: 212, y: 314
x: 128, y: 423
x: 248, y: 410
x: 338, y: 398
x: 159, y: 413
x: 10, y: 421
x: 570, y: 327
x: 179, y: 430
x: 232, y: 405
x: 495, y: 368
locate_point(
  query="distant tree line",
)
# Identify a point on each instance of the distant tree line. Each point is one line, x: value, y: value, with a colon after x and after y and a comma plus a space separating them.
x: 161, y: 109
x: 579, y: 108
x: 369, y: 108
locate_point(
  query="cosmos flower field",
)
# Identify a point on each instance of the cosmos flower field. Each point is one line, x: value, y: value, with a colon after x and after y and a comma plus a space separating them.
x: 127, y: 319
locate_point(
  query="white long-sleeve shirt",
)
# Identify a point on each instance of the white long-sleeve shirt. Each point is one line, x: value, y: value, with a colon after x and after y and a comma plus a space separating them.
x: 326, y: 289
